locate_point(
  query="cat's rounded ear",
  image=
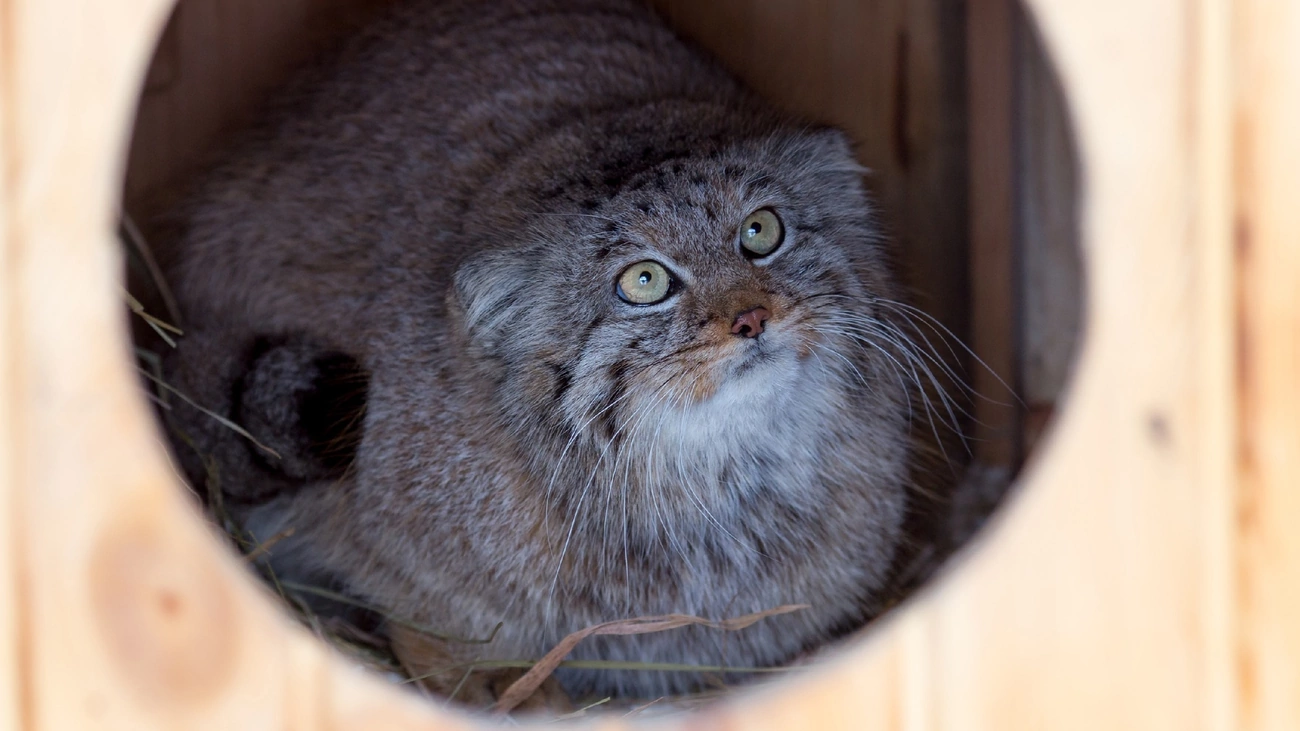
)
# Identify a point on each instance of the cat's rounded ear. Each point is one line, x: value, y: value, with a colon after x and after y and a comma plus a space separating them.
x: 834, y: 139
x: 827, y: 149
x: 490, y: 292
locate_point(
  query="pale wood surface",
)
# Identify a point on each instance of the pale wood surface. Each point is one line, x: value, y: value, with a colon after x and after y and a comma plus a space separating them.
x: 1267, y: 177
x: 1130, y: 584
x: 1215, y: 434
x: 10, y: 626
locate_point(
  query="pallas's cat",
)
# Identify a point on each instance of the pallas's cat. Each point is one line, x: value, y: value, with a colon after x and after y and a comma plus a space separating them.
x: 550, y: 322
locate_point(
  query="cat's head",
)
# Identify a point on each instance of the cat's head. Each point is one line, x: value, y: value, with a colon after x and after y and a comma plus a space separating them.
x: 729, y: 289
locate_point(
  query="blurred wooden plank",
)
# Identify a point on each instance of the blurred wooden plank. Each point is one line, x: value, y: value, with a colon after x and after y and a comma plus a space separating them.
x: 133, y: 617
x: 1267, y: 44
x: 1105, y: 545
x: 1215, y: 435
x: 12, y: 695
x: 994, y: 286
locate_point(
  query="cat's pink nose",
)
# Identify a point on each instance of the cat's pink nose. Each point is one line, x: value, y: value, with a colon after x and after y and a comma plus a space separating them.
x: 750, y: 322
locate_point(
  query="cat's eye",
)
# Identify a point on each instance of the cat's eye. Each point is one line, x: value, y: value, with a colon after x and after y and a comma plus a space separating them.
x: 761, y: 233
x: 644, y: 283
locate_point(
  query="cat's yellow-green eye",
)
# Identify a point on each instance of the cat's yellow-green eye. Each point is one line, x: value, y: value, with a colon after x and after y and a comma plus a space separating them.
x: 761, y: 233
x: 644, y: 283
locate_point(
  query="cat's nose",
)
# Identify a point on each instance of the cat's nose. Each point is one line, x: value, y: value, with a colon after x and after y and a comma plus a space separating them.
x: 750, y: 322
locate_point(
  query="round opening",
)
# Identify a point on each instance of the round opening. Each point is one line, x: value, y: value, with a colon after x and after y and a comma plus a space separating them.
x: 378, y: 255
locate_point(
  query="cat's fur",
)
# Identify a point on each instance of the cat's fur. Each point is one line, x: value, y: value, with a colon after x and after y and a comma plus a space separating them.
x: 446, y: 204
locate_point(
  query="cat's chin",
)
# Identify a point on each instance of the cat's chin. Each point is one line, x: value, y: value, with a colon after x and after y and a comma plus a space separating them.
x: 779, y: 354
x: 762, y: 374
x: 774, y: 399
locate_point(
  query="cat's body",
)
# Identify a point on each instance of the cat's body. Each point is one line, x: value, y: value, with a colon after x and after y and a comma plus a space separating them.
x: 450, y: 203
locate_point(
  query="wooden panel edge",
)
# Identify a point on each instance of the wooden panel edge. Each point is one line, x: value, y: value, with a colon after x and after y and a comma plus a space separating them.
x: 1267, y: 227
x: 12, y: 701
x: 1209, y: 76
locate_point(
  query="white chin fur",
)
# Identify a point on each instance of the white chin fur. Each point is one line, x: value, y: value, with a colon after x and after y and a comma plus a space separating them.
x: 775, y: 403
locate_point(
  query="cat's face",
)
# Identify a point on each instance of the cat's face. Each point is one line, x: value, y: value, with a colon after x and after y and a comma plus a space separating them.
x: 713, y: 294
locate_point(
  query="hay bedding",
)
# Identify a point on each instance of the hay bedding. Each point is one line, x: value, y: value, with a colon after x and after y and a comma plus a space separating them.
x: 356, y: 628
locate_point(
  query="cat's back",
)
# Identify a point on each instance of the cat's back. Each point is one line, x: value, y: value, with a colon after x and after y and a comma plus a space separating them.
x: 366, y: 168
x: 463, y: 82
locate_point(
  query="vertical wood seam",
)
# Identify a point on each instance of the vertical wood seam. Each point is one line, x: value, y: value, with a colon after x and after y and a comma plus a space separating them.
x: 1209, y: 72
x: 17, y: 707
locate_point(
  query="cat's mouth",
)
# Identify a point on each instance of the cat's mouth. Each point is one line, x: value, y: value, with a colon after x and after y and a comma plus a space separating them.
x: 754, y: 367
x: 781, y: 348
x: 756, y: 357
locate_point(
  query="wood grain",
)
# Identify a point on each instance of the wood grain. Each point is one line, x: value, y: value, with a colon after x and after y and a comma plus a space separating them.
x: 1267, y: 176
x: 12, y: 700
x: 1216, y: 424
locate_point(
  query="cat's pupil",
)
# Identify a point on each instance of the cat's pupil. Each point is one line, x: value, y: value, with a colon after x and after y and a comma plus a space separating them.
x: 755, y: 229
x: 645, y: 279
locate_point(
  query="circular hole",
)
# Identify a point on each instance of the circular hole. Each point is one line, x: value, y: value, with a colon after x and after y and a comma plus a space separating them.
x: 286, y: 209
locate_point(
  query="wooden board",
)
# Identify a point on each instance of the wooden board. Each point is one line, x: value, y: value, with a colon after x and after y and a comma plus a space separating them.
x: 1146, y: 575
x: 11, y: 627
x: 1267, y: 237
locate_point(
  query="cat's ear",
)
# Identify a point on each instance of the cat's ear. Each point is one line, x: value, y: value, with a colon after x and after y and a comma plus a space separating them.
x: 833, y: 139
x: 490, y: 292
x: 825, y: 149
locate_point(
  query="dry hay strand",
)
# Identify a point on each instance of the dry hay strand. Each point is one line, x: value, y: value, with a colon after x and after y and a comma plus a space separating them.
x: 544, y: 668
